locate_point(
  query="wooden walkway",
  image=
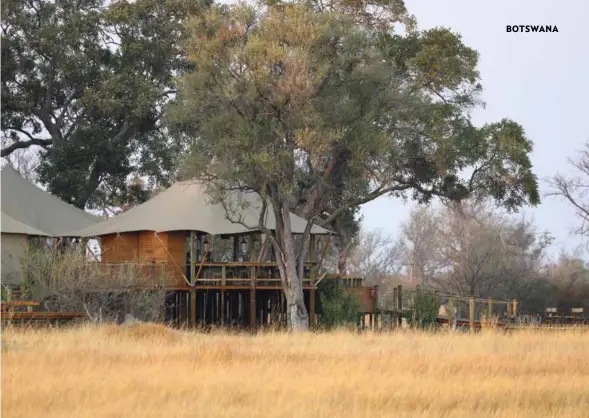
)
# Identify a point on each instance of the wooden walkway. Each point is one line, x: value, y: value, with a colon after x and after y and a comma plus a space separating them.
x: 42, y: 316
x: 10, y: 311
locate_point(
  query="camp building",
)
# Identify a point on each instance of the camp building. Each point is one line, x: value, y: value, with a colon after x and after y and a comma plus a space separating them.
x: 28, y: 214
x: 217, y: 270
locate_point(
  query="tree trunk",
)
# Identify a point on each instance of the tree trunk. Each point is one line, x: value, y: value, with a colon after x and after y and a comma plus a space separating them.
x: 292, y: 283
x: 342, y: 245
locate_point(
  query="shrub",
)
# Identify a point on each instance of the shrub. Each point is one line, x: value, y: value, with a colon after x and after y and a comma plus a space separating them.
x: 337, y: 308
x: 66, y: 280
x: 424, y: 311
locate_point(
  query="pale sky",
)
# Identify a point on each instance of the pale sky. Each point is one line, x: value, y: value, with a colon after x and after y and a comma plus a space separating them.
x: 540, y: 80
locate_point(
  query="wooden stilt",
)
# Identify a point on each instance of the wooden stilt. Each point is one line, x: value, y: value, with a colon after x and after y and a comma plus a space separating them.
x: 252, y: 256
x: 222, y: 307
x: 236, y: 248
x: 312, y: 319
x: 193, y: 308
x: 471, y: 312
x: 252, y: 308
x: 400, y: 305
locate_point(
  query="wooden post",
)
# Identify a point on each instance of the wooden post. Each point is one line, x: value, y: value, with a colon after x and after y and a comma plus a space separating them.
x: 395, y: 299
x: 193, y: 308
x: 252, y: 256
x: 514, y: 303
x: 451, y: 312
x: 252, y: 248
x: 192, y: 280
x: 192, y: 258
x: 235, y: 247
x: 489, y: 309
x: 312, y: 249
x: 471, y: 312
x: 252, y: 308
x: 312, y: 307
x: 375, y: 305
x: 182, y: 306
x: 400, y: 305
x: 222, y: 306
x: 8, y: 295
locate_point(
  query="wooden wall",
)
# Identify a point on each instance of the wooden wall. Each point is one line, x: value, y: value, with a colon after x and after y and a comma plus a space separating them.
x: 176, y: 255
x: 119, y: 248
x: 147, y: 247
x: 366, y: 296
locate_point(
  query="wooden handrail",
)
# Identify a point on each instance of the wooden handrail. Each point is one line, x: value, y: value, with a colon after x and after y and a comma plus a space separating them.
x: 200, y: 267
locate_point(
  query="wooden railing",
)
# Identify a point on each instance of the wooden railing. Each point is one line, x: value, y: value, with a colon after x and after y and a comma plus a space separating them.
x: 212, y: 274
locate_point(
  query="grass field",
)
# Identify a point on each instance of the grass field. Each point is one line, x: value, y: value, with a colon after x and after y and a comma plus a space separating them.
x: 152, y: 371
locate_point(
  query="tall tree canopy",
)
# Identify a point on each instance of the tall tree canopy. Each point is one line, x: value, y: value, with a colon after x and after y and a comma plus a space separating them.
x: 321, y: 109
x: 86, y: 81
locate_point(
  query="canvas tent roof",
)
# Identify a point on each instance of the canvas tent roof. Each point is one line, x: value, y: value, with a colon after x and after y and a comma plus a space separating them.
x: 186, y: 207
x: 12, y: 226
x: 26, y: 209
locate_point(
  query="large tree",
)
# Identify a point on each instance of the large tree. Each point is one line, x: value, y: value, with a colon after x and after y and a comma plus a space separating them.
x: 86, y: 81
x: 326, y: 108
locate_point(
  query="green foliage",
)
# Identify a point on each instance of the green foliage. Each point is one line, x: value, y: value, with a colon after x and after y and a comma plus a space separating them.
x: 86, y: 81
x: 336, y: 308
x: 333, y: 116
x: 424, y: 311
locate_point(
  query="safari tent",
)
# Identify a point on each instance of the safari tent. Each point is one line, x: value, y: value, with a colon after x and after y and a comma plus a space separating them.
x: 28, y: 211
x: 218, y: 266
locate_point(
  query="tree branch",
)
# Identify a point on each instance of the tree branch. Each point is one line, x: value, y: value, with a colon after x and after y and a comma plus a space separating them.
x: 356, y: 202
x: 25, y: 144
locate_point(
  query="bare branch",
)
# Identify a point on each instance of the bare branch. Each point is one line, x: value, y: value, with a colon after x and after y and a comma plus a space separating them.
x: 25, y: 144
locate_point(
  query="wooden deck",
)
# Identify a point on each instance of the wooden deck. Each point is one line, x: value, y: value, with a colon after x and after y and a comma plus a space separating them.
x: 42, y: 316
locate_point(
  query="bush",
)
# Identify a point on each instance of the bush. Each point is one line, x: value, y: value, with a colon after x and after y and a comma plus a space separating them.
x: 424, y: 311
x: 336, y: 308
x: 65, y: 280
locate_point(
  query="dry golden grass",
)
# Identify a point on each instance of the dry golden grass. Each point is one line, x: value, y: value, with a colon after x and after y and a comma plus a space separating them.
x: 152, y: 371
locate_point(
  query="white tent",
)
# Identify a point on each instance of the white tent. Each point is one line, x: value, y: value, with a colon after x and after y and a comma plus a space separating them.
x: 29, y: 211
